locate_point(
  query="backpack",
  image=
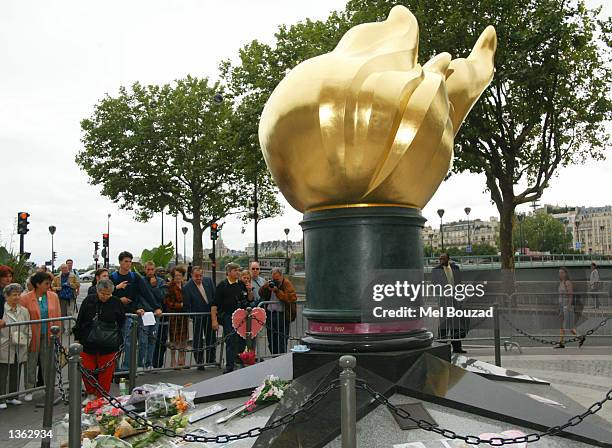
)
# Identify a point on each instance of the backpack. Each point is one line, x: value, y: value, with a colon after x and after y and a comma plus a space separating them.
x: 66, y: 292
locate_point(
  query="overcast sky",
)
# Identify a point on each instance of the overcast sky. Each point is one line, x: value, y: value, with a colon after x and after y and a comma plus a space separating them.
x: 59, y: 58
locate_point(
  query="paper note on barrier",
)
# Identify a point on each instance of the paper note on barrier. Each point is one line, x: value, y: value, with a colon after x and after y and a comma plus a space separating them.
x: 148, y: 319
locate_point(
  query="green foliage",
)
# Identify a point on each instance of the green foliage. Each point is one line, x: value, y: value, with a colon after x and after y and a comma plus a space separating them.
x: 172, y: 147
x: 160, y: 255
x: 18, y: 263
x: 546, y: 107
x: 242, y: 260
x: 543, y: 233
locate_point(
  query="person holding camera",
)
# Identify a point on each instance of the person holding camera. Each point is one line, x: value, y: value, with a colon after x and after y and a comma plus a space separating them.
x: 228, y: 298
x: 281, y: 312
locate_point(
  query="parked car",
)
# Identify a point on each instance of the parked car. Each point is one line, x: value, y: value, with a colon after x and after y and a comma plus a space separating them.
x: 88, y: 276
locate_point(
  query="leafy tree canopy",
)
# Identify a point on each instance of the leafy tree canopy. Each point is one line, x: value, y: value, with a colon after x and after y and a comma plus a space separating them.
x: 171, y: 147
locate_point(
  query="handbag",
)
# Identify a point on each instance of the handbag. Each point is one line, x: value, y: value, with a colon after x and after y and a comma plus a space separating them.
x: 103, y: 335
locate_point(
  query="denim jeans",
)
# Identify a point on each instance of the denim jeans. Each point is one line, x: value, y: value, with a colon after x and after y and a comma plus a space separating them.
x: 127, y: 343
x: 147, y: 337
x: 234, y: 344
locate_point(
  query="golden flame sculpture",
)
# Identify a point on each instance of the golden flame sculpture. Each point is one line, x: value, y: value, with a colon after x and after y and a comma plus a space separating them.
x: 365, y: 124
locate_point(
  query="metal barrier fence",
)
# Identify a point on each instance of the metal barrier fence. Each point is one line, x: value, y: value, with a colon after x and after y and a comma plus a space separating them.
x: 176, y: 341
x: 539, y: 317
x: 23, y: 357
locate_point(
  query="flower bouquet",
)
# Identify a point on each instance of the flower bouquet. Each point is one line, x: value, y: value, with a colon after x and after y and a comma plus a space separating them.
x: 269, y: 392
x: 158, y: 405
x: 247, y: 357
x: 94, y: 405
x: 109, y: 421
x: 177, y: 423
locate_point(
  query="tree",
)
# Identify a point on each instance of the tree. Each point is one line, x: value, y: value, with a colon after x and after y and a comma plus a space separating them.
x: 545, y: 108
x: 170, y: 147
x: 544, y: 233
x: 18, y: 263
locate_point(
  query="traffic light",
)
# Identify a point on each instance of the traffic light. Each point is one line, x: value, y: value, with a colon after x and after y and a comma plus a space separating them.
x: 96, y: 246
x: 54, y: 256
x: 214, y: 229
x: 211, y: 256
x: 105, y: 240
x: 22, y: 223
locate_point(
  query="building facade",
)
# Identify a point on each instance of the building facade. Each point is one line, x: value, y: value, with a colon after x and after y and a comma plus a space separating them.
x: 268, y: 248
x: 590, y: 227
x: 462, y: 233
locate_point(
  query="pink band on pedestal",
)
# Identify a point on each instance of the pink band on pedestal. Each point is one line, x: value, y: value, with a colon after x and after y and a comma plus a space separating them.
x: 364, y: 327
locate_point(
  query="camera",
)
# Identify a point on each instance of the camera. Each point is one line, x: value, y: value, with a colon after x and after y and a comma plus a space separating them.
x: 273, y: 284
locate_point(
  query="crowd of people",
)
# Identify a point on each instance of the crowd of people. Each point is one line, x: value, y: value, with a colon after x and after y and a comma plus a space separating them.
x: 179, y: 305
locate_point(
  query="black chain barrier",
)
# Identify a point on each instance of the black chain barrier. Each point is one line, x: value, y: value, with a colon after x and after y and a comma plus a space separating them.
x: 475, y: 440
x: 579, y: 339
x: 316, y: 398
x: 223, y: 438
x: 58, y: 372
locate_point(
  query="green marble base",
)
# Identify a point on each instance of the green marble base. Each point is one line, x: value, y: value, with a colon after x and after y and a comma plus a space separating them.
x: 343, y: 248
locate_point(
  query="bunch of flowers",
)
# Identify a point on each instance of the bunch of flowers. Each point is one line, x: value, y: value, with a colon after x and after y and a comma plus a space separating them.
x: 160, y: 406
x: 94, y: 405
x: 109, y: 419
x: 270, y: 391
x: 247, y: 357
x: 177, y: 423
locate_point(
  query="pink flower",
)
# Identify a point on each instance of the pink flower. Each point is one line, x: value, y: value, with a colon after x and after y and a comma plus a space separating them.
x: 116, y: 412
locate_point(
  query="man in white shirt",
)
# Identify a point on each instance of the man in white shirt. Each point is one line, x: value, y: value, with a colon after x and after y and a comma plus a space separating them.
x: 594, y: 284
x: 256, y: 280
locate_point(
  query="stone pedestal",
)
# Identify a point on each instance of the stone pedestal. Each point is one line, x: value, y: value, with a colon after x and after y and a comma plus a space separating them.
x: 344, y: 248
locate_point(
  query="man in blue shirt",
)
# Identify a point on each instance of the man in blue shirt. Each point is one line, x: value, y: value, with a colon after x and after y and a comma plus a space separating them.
x: 136, y: 298
x: 148, y: 338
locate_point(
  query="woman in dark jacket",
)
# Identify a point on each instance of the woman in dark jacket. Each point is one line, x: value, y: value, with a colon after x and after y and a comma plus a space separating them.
x: 103, y: 313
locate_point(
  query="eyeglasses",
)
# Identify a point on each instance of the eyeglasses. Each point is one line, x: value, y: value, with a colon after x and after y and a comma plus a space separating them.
x: 254, y: 269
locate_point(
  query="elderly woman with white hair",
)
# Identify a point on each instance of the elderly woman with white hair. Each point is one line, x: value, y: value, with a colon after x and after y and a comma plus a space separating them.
x: 98, y: 329
x: 14, y: 340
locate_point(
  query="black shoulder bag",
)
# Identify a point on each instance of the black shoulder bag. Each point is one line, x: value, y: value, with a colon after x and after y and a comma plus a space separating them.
x: 103, y: 335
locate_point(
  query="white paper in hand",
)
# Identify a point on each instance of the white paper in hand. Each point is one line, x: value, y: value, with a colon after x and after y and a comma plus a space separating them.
x: 148, y: 319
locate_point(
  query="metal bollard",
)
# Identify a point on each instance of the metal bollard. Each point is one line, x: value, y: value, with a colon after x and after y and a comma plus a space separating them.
x: 496, y: 335
x: 348, y: 401
x: 74, y: 406
x: 49, y: 385
x: 133, y: 354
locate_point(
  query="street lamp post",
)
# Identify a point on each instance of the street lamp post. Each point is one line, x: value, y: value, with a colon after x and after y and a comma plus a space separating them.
x: 184, y: 229
x: 162, y: 226
x: 441, y: 214
x: 521, y: 217
x: 176, y: 239
x: 467, y: 211
x: 601, y: 238
x: 52, y: 230
x: 287, y: 251
x: 431, y: 253
x: 107, y: 258
x: 577, y: 223
x: 255, y: 218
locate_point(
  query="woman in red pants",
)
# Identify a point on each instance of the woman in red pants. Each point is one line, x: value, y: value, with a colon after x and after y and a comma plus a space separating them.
x: 98, y: 329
